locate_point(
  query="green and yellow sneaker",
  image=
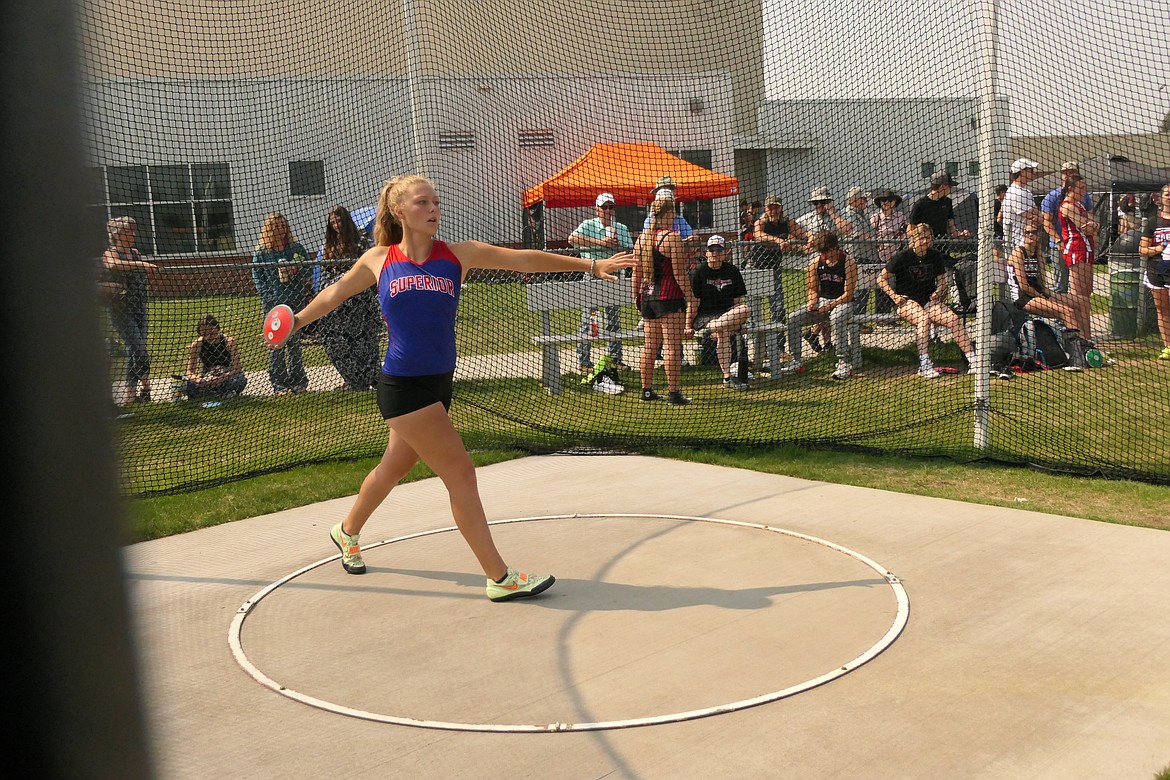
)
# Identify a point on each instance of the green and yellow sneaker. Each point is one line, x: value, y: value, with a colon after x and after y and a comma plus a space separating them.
x: 351, y: 551
x: 518, y: 585
x: 1164, y: 354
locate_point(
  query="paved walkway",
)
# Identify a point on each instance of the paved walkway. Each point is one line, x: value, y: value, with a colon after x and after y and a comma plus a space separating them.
x: 1036, y: 645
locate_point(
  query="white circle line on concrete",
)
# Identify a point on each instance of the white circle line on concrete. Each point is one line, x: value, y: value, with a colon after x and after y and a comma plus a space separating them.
x: 900, y: 620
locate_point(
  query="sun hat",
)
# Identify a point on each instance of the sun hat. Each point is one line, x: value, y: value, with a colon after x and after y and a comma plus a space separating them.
x: 819, y: 195
x: 1023, y: 164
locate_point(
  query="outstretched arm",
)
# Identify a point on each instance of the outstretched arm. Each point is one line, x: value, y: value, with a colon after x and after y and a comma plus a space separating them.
x: 476, y: 254
x: 363, y: 275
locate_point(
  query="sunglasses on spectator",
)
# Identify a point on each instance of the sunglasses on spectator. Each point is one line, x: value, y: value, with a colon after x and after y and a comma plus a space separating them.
x: 1031, y: 232
x: 609, y: 207
x: 718, y: 249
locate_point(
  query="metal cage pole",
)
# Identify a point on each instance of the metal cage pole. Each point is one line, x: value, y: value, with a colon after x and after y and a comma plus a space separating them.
x: 414, y: 85
x: 986, y: 90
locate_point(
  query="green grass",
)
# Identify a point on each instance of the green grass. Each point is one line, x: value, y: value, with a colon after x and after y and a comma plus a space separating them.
x: 161, y: 516
x: 1108, y: 420
x: 1115, y: 501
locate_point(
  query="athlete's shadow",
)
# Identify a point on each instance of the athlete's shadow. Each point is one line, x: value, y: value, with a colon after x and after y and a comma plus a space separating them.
x: 578, y: 595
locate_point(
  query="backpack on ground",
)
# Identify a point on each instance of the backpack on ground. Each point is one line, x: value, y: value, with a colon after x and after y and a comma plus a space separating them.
x: 1006, y: 317
x: 1043, y: 341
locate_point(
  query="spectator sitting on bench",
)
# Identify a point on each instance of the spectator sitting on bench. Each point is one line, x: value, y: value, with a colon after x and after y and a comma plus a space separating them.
x: 213, y: 363
x: 718, y: 286
x: 1029, y: 289
x: 916, y: 280
x: 831, y: 281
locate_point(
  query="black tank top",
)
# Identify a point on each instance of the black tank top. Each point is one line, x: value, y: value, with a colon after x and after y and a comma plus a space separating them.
x: 830, y: 279
x: 217, y: 354
x: 1032, y: 268
x: 777, y: 229
x: 665, y: 286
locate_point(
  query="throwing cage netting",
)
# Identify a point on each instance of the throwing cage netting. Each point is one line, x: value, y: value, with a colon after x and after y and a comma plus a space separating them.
x: 768, y: 121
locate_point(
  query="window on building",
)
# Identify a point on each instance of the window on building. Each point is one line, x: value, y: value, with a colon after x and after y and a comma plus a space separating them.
x: 181, y: 208
x: 953, y: 169
x: 927, y: 170
x: 529, y: 138
x: 306, y: 177
x: 973, y: 169
x: 700, y: 214
x: 456, y: 139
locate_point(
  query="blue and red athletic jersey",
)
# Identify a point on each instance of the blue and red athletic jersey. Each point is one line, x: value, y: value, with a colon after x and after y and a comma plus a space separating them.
x: 418, y: 303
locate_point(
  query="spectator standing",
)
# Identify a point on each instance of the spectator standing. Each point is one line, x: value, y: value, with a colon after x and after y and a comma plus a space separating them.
x: 1078, y: 229
x: 127, y: 291
x: 1127, y: 215
x: 1051, y: 225
x: 213, y: 363
x: 916, y: 279
x: 1025, y: 278
x: 937, y: 210
x: 665, y: 188
x: 350, y: 332
x: 824, y: 217
x: 719, y: 288
x: 831, y: 280
x: 278, y: 263
x: 661, y: 293
x: 775, y: 235
x: 1000, y: 192
x: 601, y: 237
x: 1155, y: 248
x: 1019, y: 205
x: 889, y: 227
x: 864, y: 250
x: 747, y: 222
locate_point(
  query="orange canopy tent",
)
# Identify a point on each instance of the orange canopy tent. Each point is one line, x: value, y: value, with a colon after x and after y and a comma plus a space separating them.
x: 629, y: 172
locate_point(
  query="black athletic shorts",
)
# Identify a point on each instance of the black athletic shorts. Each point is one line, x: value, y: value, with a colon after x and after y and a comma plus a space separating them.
x: 652, y: 310
x: 399, y: 395
x: 1023, y: 301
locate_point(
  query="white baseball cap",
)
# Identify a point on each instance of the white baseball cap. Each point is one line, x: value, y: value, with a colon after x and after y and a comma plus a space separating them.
x: 604, y: 198
x: 1024, y: 163
x: 716, y: 240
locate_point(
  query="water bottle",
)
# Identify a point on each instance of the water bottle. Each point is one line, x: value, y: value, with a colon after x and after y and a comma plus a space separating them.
x: 594, y: 325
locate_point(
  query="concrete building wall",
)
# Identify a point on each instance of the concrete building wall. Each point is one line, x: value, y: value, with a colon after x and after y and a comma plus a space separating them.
x: 360, y: 129
x: 318, y: 38
x: 870, y: 143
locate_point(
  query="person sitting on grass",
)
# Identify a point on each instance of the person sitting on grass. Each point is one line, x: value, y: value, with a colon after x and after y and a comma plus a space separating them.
x: 831, y: 279
x: 916, y: 280
x: 720, y: 289
x: 213, y: 363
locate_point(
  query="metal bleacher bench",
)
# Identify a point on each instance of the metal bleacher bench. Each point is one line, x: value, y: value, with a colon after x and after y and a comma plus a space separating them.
x: 547, y: 297
x: 866, y: 279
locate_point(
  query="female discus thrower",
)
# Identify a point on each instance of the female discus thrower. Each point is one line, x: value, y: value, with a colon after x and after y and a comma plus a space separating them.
x: 418, y: 281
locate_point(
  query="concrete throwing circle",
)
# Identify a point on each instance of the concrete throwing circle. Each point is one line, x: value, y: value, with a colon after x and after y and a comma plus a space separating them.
x: 744, y: 617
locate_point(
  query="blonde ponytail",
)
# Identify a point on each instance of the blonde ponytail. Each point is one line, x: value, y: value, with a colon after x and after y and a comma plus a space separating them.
x: 387, y: 228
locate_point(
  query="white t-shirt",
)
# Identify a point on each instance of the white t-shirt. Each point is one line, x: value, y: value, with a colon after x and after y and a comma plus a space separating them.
x: 1016, y: 202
